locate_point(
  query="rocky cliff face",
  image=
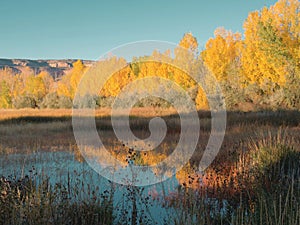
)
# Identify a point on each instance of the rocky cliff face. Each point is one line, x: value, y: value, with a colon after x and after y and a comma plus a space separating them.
x: 55, y: 68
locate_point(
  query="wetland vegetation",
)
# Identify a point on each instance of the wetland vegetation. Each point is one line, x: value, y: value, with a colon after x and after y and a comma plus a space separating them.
x: 253, y: 180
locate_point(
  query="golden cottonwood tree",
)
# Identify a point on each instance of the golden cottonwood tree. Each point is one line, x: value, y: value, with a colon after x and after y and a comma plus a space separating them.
x: 47, y: 80
x: 117, y: 79
x: 271, y: 44
x: 7, y: 75
x: 222, y: 53
x: 286, y: 19
x: 189, y: 42
x: 68, y: 85
x: 5, y: 95
x: 201, y: 99
x: 35, y: 87
x: 18, y: 86
x: 185, y: 57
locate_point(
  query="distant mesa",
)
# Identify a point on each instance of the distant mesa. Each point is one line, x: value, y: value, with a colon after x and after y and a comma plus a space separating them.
x: 56, y: 68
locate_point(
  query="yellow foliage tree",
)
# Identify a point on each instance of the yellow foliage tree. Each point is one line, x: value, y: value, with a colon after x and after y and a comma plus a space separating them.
x: 48, y: 81
x: 189, y: 42
x: 201, y: 100
x: 222, y: 53
x: 271, y: 44
x: 186, y: 59
x: 68, y: 85
x: 119, y: 74
x: 35, y: 87
x: 18, y: 86
x: 5, y: 95
x: 117, y: 81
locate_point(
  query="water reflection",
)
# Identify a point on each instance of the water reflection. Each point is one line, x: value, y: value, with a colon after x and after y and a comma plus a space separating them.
x: 130, y: 203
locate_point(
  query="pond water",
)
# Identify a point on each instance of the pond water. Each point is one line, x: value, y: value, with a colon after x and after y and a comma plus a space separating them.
x: 63, y: 168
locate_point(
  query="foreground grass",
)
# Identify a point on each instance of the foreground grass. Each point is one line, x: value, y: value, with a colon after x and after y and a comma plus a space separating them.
x: 29, y: 200
x: 263, y: 187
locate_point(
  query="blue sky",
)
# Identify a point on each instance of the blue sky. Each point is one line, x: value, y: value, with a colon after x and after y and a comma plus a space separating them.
x: 59, y: 29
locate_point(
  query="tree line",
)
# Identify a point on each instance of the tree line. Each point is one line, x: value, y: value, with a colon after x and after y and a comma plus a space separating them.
x: 259, y: 69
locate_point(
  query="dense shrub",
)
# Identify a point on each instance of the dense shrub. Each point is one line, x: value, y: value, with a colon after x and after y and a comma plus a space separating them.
x: 86, y: 101
x: 53, y: 101
x: 65, y: 102
x: 50, y: 101
x: 292, y: 93
x: 104, y: 102
x: 153, y: 102
x: 24, y: 102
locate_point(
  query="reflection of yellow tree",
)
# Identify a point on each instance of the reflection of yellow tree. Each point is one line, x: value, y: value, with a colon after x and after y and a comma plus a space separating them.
x: 126, y: 156
x: 188, y: 177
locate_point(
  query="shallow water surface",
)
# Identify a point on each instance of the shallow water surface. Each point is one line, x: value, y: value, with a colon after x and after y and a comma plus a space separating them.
x: 63, y: 168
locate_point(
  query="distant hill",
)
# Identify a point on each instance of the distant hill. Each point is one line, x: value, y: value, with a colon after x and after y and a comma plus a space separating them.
x: 56, y: 68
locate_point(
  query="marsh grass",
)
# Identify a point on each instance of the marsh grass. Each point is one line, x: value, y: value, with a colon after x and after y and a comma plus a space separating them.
x: 262, y: 187
x: 29, y: 200
x: 253, y: 180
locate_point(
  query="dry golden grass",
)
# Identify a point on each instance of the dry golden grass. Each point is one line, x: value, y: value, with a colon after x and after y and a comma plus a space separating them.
x: 17, y: 113
x: 51, y: 129
x: 48, y: 129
